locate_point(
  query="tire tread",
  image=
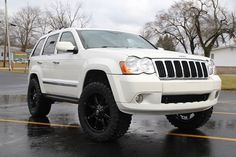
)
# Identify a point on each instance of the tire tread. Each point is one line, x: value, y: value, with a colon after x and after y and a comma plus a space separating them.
x: 197, y: 122
x: 121, y: 121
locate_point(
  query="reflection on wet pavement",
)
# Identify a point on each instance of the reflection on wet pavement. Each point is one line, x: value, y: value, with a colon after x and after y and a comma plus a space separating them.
x: 73, y: 144
x: 148, y: 135
x: 186, y: 146
x: 39, y: 130
x: 12, y: 99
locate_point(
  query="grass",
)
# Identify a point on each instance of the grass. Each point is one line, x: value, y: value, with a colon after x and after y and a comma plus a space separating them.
x: 228, y: 81
x: 17, y: 67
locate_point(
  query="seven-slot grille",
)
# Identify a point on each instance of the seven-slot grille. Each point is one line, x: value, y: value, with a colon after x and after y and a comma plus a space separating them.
x: 181, y: 69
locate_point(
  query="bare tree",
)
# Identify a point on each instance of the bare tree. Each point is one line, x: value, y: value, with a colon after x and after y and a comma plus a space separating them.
x: 211, y: 22
x: 62, y: 15
x: 193, y: 23
x: 43, y: 25
x: 31, y: 23
x: 25, y: 22
x: 177, y: 22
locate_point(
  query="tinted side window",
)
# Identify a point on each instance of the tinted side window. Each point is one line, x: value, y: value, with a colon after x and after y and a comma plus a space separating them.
x: 68, y: 36
x: 49, y: 47
x: 38, y: 48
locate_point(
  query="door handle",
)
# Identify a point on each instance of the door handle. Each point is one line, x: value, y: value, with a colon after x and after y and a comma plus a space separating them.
x: 54, y: 62
x: 39, y: 62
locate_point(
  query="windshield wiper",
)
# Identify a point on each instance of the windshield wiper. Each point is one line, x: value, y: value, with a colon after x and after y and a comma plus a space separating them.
x: 111, y: 47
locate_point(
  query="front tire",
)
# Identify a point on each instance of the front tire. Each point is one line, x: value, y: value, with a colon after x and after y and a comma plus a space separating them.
x: 190, y: 121
x: 99, y: 116
x: 38, y: 105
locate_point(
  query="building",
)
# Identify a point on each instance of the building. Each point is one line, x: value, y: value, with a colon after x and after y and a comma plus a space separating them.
x: 13, y: 50
x: 16, y: 53
x: 225, y: 59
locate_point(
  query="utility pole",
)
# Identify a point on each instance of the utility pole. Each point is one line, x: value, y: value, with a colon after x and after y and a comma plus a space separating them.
x: 7, y: 41
x: 5, y: 49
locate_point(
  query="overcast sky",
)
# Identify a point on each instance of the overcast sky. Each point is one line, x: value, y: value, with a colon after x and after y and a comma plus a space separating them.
x: 126, y: 15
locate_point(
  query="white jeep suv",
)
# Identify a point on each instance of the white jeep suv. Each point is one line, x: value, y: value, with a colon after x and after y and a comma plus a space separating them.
x: 113, y: 74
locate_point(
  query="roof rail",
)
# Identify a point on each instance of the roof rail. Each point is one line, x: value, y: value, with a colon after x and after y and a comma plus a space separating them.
x: 50, y: 31
x: 61, y: 27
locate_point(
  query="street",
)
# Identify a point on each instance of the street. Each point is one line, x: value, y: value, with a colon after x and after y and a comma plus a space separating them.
x: 60, y: 134
x: 13, y: 83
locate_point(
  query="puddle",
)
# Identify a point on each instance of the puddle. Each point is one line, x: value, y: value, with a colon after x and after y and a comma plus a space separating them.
x: 12, y: 99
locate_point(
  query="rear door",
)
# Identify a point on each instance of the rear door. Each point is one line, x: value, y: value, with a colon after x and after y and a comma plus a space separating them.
x: 47, y: 59
x: 35, y: 58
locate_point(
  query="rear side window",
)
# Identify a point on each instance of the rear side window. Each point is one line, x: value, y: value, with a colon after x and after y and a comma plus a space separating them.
x: 49, y: 47
x: 38, y: 48
x: 67, y: 36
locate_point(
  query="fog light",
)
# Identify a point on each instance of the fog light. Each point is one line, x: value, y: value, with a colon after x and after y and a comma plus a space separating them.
x: 139, y: 98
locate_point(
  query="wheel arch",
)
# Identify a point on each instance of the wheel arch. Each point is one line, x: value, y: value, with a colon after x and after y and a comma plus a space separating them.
x: 36, y: 76
x: 95, y: 75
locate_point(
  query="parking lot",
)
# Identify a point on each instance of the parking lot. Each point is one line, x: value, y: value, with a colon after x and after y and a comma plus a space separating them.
x: 60, y: 134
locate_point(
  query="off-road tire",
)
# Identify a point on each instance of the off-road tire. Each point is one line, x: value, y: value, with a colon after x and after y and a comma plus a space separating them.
x: 198, y: 120
x: 118, y: 123
x: 38, y: 105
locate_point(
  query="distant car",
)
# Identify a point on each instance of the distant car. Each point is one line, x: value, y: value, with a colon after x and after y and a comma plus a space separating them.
x: 17, y: 60
x: 21, y: 60
x: 24, y: 60
x: 113, y: 74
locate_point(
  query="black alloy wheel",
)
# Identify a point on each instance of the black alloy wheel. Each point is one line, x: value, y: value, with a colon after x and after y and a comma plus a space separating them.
x: 97, y: 113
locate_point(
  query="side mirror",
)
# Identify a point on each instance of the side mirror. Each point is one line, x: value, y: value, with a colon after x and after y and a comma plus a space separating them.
x: 66, y: 47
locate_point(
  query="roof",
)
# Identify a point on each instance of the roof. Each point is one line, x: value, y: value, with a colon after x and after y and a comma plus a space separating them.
x: 225, y: 47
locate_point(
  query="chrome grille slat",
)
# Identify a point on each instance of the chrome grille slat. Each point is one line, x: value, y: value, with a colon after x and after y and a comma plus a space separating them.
x: 204, y: 68
x: 190, y: 71
x: 166, y: 73
x: 182, y: 69
x: 170, y: 69
x: 196, y: 69
x: 161, y: 70
x: 178, y: 69
x: 199, y: 69
x: 193, y: 68
x: 185, y: 68
x: 172, y: 62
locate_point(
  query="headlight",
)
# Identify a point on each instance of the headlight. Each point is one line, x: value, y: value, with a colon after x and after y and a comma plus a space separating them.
x: 135, y: 65
x: 211, y: 67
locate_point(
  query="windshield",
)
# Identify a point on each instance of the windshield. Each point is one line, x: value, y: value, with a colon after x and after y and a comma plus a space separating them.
x: 112, y: 39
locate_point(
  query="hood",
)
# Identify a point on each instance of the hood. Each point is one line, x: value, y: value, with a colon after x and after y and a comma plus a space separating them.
x: 141, y: 53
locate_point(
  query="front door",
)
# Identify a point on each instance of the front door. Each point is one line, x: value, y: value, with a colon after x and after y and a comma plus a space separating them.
x: 65, y: 69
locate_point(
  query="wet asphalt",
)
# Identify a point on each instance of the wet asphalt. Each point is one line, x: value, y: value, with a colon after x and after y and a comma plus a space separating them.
x: 60, y: 135
x: 13, y: 83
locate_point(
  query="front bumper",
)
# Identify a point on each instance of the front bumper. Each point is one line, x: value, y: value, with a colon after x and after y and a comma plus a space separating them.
x: 126, y: 87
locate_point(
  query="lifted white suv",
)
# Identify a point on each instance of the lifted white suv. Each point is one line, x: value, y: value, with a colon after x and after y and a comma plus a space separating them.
x: 112, y: 75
